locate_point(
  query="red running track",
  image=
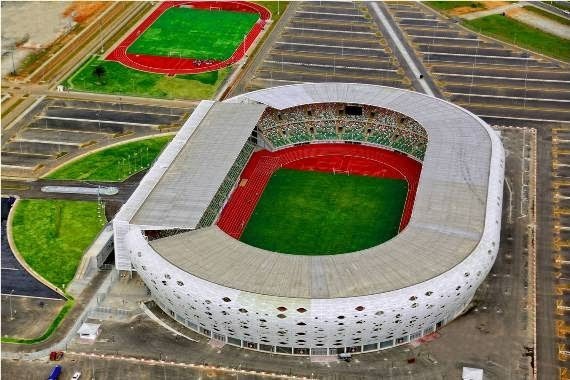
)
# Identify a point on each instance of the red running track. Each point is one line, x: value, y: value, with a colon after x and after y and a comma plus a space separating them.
x: 337, y: 158
x: 178, y: 65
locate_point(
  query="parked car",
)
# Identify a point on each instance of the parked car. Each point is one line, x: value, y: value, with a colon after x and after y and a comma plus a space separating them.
x: 76, y: 375
x: 55, y: 372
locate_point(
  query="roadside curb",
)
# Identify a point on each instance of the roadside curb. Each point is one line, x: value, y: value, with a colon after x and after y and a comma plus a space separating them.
x: 122, y: 142
x: 19, y: 257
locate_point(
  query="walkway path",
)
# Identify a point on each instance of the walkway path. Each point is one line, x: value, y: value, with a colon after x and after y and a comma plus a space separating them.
x: 494, y: 11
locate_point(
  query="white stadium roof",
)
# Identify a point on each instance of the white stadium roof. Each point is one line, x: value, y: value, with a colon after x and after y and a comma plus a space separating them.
x: 182, y: 193
x: 449, y: 214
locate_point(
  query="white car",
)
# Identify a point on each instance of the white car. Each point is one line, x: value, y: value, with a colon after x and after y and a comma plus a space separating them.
x: 76, y: 375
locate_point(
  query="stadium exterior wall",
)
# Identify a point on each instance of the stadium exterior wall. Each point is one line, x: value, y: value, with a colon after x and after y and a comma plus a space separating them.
x: 320, y: 326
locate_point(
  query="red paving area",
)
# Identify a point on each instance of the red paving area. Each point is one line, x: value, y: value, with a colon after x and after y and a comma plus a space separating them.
x: 180, y: 65
x: 330, y: 158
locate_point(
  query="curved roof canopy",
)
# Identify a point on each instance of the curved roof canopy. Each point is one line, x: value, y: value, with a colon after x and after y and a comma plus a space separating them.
x: 447, y: 223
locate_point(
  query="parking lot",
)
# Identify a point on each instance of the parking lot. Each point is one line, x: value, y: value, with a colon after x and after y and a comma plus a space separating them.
x: 500, y: 83
x: 329, y: 42
x: 58, y: 129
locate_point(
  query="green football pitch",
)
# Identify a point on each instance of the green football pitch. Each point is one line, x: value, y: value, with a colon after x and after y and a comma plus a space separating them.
x: 195, y: 33
x: 315, y: 213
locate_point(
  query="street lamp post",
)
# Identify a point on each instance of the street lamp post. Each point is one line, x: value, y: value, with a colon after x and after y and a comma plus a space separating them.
x: 10, y: 300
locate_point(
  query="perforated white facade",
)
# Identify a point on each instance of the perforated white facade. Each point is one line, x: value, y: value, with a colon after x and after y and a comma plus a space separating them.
x: 420, y: 289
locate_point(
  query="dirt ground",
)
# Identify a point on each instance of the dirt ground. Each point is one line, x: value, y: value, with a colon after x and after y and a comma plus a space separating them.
x: 83, y: 11
x: 486, y: 5
x: 37, y: 23
x: 31, y: 316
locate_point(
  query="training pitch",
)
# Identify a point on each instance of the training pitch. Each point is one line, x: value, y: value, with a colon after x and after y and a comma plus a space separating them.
x: 195, y: 33
x: 316, y: 213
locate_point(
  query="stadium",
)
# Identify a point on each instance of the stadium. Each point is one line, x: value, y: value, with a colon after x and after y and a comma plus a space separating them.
x: 318, y: 219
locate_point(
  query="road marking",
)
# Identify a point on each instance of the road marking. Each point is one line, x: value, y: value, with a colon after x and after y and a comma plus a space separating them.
x: 506, y: 78
x: 53, y: 142
x: 36, y: 297
x: 327, y: 30
x: 526, y: 119
x: 283, y: 80
x: 511, y: 97
x: 18, y: 166
x: 444, y: 38
x: 331, y: 14
x: 479, y: 55
x: 417, y: 19
x: 330, y: 66
x: 9, y: 268
x: 65, y: 130
x: 328, y: 46
x: 98, y: 121
x: 401, y: 48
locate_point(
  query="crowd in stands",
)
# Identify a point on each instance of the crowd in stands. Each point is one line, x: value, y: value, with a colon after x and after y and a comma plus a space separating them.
x: 336, y: 121
x: 226, y: 187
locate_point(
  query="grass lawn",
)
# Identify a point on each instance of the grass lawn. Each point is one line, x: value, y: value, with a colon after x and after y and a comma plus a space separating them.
x: 275, y: 7
x: 112, y: 164
x: 449, y: 5
x: 551, y: 16
x: 515, y: 32
x: 312, y: 213
x: 122, y: 80
x: 52, y: 235
x: 195, y: 33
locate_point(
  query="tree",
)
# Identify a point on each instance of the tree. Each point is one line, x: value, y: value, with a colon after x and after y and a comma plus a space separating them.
x: 99, y: 72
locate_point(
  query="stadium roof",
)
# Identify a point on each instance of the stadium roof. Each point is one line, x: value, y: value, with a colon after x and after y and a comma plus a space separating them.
x: 447, y: 223
x: 181, y: 194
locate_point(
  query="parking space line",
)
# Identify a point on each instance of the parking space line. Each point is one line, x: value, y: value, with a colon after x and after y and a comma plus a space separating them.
x: 36, y: 297
x: 505, y: 78
x: 66, y: 130
x: 479, y: 56
x: 328, y: 30
x: 54, y: 142
x: 417, y: 19
x: 331, y: 14
x: 97, y: 121
x: 511, y: 97
x: 330, y: 66
x: 321, y: 74
x: 302, y: 54
x: 525, y: 119
x: 327, y: 46
x: 443, y: 38
x: 5, y: 268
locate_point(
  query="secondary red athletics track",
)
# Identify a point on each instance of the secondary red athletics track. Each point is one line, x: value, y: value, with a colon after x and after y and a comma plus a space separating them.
x: 180, y: 65
x: 331, y: 158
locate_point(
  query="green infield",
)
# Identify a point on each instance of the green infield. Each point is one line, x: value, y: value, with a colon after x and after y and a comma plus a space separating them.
x: 315, y: 213
x: 518, y: 33
x: 113, y: 78
x: 52, y: 235
x: 115, y: 163
x: 195, y: 33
